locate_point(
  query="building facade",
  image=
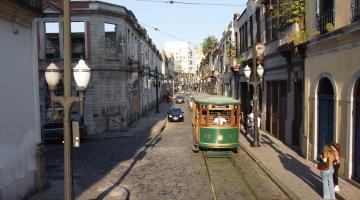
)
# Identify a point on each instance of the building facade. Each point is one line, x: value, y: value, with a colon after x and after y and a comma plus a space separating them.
x: 281, y: 89
x: 332, y: 81
x: 119, y: 53
x: 20, y: 133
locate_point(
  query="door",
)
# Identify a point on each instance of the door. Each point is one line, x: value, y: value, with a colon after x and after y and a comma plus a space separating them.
x: 325, y: 114
x: 297, y: 114
x: 275, y: 110
x: 282, y: 109
x: 268, y: 106
x: 325, y: 121
x: 357, y: 137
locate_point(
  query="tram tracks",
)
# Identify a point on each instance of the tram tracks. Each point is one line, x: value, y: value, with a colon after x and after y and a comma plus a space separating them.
x: 229, y: 180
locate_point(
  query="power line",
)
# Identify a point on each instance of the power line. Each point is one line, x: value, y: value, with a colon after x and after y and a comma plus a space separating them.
x: 193, y: 3
x: 168, y: 34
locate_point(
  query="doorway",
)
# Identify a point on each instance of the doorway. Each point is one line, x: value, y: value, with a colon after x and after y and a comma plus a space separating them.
x: 326, y: 114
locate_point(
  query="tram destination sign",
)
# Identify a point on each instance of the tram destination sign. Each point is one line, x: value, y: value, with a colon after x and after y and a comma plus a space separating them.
x: 220, y: 106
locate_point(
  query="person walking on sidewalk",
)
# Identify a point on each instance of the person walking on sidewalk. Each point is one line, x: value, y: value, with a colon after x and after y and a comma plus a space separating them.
x: 336, y: 149
x: 327, y: 175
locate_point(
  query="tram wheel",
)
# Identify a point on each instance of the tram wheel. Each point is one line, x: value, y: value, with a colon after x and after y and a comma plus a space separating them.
x: 195, y: 148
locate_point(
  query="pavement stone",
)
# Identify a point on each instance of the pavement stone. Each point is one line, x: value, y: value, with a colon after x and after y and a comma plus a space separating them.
x: 297, y: 177
x: 100, y: 160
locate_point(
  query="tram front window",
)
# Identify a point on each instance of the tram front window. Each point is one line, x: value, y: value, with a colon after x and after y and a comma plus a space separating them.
x: 221, y: 118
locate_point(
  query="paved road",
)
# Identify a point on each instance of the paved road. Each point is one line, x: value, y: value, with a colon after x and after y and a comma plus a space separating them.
x: 156, y: 165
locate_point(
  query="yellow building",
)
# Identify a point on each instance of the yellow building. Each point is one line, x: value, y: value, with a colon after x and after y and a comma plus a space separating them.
x: 332, y: 81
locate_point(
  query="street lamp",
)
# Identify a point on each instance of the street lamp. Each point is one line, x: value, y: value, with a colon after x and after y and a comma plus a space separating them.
x: 82, y: 77
x: 258, y: 52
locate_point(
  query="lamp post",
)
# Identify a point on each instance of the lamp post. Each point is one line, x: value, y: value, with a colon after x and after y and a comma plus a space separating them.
x: 258, y: 51
x: 82, y: 77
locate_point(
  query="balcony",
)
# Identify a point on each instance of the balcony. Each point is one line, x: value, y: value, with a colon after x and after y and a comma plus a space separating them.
x: 356, y: 10
x: 31, y: 4
x: 325, y: 21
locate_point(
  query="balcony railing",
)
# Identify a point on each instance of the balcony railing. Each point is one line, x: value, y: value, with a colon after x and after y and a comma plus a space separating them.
x: 32, y: 4
x: 325, y: 20
x: 356, y: 10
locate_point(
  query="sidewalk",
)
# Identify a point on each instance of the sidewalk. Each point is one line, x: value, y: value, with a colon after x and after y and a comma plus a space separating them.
x: 150, y: 122
x: 297, y: 177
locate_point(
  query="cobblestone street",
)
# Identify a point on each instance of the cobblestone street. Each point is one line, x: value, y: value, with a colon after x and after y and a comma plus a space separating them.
x: 156, y: 165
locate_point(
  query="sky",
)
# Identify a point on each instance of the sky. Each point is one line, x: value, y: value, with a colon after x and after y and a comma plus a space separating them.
x: 191, y: 23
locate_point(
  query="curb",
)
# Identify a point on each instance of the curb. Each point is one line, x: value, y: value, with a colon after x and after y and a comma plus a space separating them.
x: 291, y: 195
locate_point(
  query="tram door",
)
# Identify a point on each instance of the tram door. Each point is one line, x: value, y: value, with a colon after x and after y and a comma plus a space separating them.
x: 325, y: 114
x: 357, y: 135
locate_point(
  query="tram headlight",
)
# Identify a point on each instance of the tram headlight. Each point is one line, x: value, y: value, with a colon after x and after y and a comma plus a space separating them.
x: 220, y: 138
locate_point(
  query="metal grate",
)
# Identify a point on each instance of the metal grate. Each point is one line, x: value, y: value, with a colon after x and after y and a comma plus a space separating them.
x: 32, y: 4
x: 356, y: 10
x: 325, y: 19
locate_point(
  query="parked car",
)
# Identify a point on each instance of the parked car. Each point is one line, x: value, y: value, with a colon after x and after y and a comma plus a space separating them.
x: 179, y: 99
x: 54, y: 130
x: 175, y: 114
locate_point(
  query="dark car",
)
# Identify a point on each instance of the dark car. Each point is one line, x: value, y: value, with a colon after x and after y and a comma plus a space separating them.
x: 175, y: 114
x: 180, y: 99
x: 54, y: 130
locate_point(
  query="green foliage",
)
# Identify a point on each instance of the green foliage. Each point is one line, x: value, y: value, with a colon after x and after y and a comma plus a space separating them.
x: 329, y: 27
x: 208, y: 44
x: 231, y: 55
x: 290, y: 12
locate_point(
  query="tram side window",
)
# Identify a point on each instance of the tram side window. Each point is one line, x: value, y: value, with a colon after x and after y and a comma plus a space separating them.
x: 235, y: 118
x: 220, y: 117
x: 203, y: 117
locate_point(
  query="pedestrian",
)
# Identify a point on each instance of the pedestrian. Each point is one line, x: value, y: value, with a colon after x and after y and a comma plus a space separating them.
x: 336, y: 149
x: 327, y: 175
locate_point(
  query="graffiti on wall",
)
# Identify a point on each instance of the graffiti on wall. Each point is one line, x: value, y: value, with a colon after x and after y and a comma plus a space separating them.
x: 111, y: 111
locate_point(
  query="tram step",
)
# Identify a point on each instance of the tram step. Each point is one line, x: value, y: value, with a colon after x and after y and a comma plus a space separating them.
x: 218, y: 154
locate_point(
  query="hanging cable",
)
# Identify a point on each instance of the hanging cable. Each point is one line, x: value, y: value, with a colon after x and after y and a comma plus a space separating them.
x: 168, y: 34
x: 193, y: 3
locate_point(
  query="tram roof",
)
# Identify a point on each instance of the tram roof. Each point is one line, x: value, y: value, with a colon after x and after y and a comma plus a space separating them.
x: 214, y: 99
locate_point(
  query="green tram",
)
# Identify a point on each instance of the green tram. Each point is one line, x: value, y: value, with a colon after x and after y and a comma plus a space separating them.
x: 216, y: 122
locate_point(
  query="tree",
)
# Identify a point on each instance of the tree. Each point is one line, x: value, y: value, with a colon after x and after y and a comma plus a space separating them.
x: 208, y: 44
x: 235, y: 61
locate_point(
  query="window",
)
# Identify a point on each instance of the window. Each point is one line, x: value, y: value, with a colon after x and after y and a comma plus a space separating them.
x: 356, y: 10
x: 220, y: 117
x: 251, y: 31
x: 258, y: 33
x: 52, y: 49
x: 78, y: 39
x: 203, y: 118
x: 271, y: 23
x: 110, y: 41
x: 246, y: 35
x: 325, y: 15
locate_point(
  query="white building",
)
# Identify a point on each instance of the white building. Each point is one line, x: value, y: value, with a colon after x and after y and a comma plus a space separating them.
x: 20, y: 119
x: 182, y: 56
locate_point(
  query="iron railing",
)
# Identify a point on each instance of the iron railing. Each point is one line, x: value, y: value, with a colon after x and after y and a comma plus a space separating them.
x: 325, y: 21
x: 32, y: 4
x: 356, y: 10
